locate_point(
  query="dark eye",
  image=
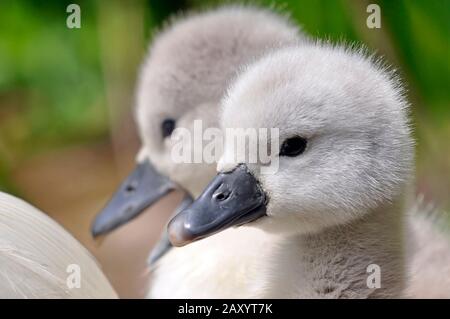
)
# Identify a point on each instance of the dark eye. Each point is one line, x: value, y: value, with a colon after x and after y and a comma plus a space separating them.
x: 293, y: 146
x: 167, y: 127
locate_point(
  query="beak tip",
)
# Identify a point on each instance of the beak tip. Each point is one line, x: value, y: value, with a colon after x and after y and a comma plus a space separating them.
x: 99, y: 228
x: 96, y: 231
x: 143, y: 187
x: 178, y: 235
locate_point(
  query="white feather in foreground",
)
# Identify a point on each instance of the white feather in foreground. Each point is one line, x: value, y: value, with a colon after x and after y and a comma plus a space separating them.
x: 35, y: 252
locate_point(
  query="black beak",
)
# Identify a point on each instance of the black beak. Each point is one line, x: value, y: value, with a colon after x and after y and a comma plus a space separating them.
x: 231, y: 199
x: 143, y: 187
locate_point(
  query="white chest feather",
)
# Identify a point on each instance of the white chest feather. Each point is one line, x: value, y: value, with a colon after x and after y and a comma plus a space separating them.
x: 222, y: 266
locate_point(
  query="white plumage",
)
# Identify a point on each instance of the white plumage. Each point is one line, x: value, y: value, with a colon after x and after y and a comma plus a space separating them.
x: 189, y: 68
x: 227, y: 264
x: 35, y: 253
x: 341, y: 205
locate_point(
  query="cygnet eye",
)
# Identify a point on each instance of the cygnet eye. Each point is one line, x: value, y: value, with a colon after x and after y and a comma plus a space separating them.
x: 167, y: 127
x: 293, y: 146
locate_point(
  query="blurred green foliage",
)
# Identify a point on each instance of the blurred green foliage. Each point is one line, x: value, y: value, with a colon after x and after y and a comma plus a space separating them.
x: 53, y: 76
x: 422, y: 34
x: 52, y: 85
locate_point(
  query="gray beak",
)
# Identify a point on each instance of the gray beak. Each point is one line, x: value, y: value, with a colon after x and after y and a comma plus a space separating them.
x: 231, y: 199
x: 143, y: 187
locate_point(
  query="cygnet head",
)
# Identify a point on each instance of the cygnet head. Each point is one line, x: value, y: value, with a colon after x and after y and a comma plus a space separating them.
x: 187, y: 71
x: 344, y: 145
x: 186, y: 74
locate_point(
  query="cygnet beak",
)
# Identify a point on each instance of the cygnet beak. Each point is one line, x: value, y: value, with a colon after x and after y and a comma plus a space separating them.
x: 142, y: 188
x: 231, y: 199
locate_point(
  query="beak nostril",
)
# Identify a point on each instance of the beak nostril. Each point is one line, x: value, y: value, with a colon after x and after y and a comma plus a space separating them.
x: 221, y: 196
x: 130, y: 188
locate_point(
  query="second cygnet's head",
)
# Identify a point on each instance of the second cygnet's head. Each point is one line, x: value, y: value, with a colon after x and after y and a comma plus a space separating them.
x: 187, y: 71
